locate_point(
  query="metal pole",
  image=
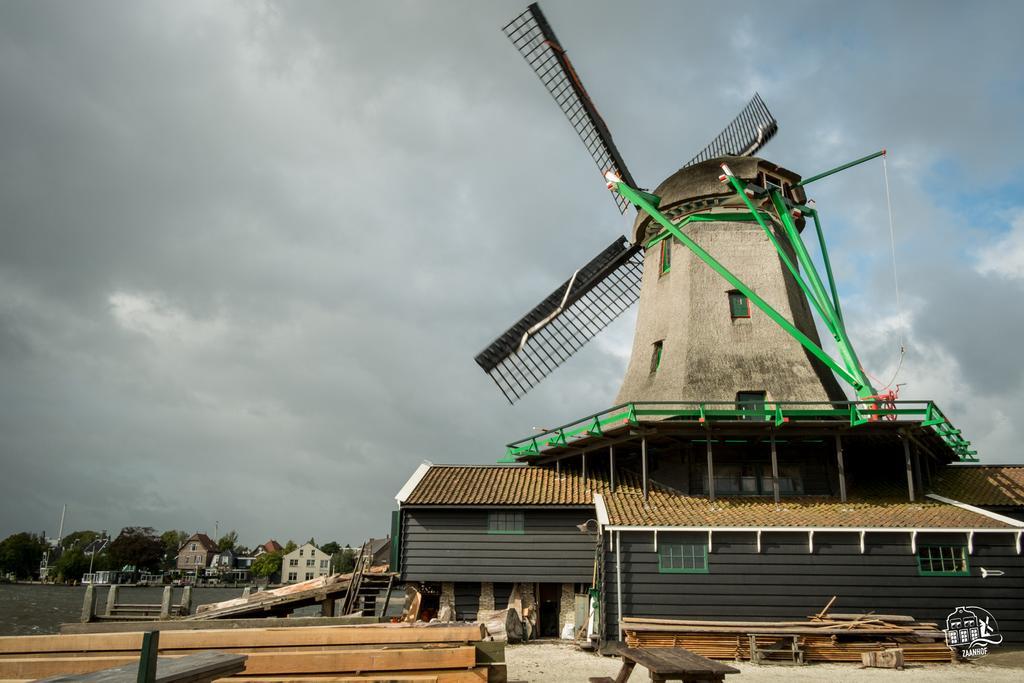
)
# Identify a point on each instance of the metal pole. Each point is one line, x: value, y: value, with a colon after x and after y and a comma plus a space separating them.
x: 775, y: 470
x: 643, y: 464
x: 711, y: 473
x: 910, y: 468
x: 842, y: 469
x: 837, y: 169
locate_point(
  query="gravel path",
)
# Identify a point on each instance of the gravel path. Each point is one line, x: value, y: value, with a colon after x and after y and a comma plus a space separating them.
x: 563, y: 663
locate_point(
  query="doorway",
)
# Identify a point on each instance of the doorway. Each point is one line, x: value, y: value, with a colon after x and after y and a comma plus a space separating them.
x: 549, y: 597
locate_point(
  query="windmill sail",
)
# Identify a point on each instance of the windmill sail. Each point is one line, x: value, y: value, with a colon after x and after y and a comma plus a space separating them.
x: 562, y: 323
x: 536, y: 41
x: 747, y: 133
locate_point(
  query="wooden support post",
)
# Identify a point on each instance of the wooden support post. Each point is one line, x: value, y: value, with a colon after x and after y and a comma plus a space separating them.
x: 917, y: 471
x: 910, y: 467
x: 775, y: 469
x: 147, y: 660
x: 558, y: 467
x: 186, y: 600
x: 583, y: 458
x: 842, y: 468
x: 247, y: 591
x: 643, y: 464
x: 89, y: 606
x: 711, y: 473
x: 611, y: 467
x: 327, y: 608
x: 165, y: 602
x: 111, y: 600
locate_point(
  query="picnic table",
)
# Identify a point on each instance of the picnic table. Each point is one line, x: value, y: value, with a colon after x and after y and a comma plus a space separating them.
x: 666, y: 664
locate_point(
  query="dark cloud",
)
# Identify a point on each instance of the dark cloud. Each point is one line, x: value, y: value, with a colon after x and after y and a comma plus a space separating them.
x: 249, y: 250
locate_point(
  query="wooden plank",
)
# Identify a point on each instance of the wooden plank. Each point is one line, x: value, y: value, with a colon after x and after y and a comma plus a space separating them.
x: 262, y: 622
x: 476, y: 675
x: 675, y: 661
x: 263, y: 664
x: 202, y: 667
x: 358, y: 661
x: 372, y: 634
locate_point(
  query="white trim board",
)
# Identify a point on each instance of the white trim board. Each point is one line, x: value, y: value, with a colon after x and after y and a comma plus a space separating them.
x: 413, y: 482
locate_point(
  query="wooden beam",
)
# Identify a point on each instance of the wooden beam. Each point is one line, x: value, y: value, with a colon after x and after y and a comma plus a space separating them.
x: 643, y: 464
x: 315, y: 636
x: 917, y: 471
x: 711, y: 472
x: 583, y: 459
x: 775, y: 470
x: 611, y: 467
x: 910, y: 468
x: 842, y: 468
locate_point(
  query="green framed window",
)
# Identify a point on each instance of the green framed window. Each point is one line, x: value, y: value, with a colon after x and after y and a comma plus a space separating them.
x: 683, y: 558
x: 666, y: 255
x: 656, y: 356
x: 506, y: 522
x: 943, y: 560
x: 739, y: 305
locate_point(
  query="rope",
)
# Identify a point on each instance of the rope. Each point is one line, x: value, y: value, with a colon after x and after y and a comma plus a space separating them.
x: 895, y: 275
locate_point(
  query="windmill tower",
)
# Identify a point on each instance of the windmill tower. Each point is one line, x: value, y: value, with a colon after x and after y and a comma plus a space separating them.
x: 699, y: 339
x: 700, y: 336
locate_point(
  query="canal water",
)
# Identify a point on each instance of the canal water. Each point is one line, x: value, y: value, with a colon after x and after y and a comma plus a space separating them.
x: 37, y: 609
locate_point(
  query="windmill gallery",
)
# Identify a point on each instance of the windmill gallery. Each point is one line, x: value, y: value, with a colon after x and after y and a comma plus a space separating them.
x: 733, y: 478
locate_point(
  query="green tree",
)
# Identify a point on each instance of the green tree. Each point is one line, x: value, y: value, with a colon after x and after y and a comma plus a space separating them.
x: 346, y: 562
x: 228, y: 541
x: 266, y: 565
x: 289, y: 547
x: 21, y: 553
x: 172, y: 541
x: 72, y: 565
x: 137, y: 546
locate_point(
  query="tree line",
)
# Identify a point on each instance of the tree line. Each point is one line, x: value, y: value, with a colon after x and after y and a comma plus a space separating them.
x: 141, y: 548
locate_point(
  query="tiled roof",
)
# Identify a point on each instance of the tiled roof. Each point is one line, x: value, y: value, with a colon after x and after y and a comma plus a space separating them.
x: 522, y: 485
x: 666, y: 508
x: 503, y: 485
x: 982, y: 485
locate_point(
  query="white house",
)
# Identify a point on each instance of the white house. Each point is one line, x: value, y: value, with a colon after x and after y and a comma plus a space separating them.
x: 304, y: 563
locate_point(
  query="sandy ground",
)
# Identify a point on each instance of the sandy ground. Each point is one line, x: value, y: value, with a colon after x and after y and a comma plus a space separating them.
x: 563, y: 663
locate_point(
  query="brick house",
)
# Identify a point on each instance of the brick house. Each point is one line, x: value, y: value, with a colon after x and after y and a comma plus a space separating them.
x: 196, y: 551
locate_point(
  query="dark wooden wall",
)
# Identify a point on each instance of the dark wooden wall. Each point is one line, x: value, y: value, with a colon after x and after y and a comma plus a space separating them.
x: 452, y: 544
x: 784, y: 581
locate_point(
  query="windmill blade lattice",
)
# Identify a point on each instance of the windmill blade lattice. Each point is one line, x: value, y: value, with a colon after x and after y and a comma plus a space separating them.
x: 561, y: 324
x: 536, y: 41
x: 748, y: 132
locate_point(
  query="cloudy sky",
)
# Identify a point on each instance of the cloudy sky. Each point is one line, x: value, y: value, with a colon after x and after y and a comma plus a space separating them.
x: 248, y: 250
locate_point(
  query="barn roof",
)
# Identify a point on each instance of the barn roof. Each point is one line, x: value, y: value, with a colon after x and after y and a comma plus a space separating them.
x: 982, y: 484
x: 461, y: 485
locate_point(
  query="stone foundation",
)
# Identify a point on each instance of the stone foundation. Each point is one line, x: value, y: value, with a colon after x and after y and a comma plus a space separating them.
x: 567, y: 608
x: 447, y: 598
x: 487, y: 595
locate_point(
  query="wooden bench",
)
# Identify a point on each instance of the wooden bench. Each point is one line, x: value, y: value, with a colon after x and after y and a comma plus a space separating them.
x: 666, y: 664
x: 783, y: 646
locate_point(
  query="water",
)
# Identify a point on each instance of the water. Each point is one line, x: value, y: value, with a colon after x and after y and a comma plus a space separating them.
x: 37, y: 609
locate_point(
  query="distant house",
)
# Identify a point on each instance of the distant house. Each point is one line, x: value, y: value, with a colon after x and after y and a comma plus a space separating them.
x: 270, y: 546
x: 196, y: 552
x: 304, y: 563
x: 380, y: 549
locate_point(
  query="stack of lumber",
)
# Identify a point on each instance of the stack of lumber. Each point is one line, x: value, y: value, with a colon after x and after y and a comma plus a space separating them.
x: 443, y: 653
x: 285, y: 598
x: 836, y: 638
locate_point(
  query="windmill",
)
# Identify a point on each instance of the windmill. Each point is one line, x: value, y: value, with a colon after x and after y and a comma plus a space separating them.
x: 695, y: 339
